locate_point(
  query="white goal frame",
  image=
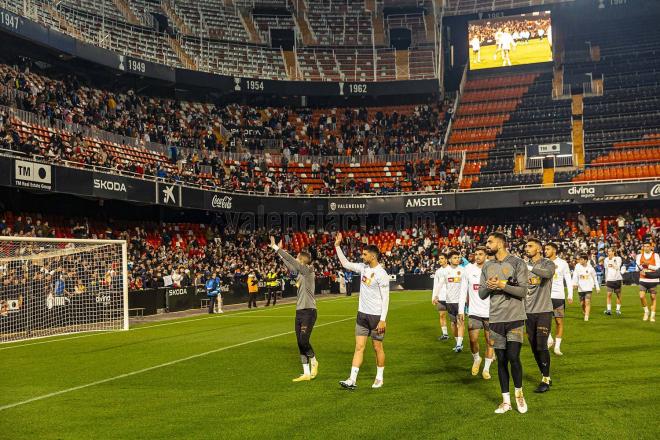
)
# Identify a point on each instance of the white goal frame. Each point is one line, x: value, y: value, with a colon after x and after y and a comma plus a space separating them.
x: 63, y: 241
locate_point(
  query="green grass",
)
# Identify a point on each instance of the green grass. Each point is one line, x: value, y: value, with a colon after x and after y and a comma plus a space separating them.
x: 605, y: 385
x: 536, y: 51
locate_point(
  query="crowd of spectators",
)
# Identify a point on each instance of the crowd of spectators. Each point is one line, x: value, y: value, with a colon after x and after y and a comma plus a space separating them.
x: 207, y: 131
x: 227, y: 127
x: 171, y: 254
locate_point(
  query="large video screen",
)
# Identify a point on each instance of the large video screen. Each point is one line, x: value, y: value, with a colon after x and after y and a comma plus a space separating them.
x: 510, y: 41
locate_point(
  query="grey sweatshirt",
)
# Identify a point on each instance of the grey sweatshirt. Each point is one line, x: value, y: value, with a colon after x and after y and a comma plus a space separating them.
x: 539, y: 290
x: 506, y: 305
x: 305, y: 281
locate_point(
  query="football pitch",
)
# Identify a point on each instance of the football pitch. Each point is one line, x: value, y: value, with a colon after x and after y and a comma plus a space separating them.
x: 536, y: 51
x: 229, y: 376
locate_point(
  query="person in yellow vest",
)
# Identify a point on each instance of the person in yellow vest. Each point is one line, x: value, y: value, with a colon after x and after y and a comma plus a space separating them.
x: 253, y: 289
x: 272, y: 283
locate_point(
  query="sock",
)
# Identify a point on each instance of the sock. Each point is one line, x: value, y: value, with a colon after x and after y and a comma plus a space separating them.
x: 487, y: 364
x: 354, y: 373
x: 313, y: 359
x: 306, y: 369
x: 459, y: 340
x: 557, y: 343
x: 519, y: 392
x: 618, y: 307
x: 546, y: 379
x: 652, y: 314
x: 379, y: 373
x: 550, y: 340
x: 444, y: 331
x: 646, y: 309
x: 476, y: 356
x: 506, y: 398
x: 609, y: 307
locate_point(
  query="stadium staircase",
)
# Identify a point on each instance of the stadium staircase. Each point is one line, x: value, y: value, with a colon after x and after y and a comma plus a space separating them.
x: 377, y: 22
x: 178, y: 22
x: 577, y: 108
x: 402, y: 59
x: 126, y: 11
x: 62, y: 22
x: 250, y: 27
x: 291, y: 65
x: 548, y: 176
x: 304, y: 27
x: 184, y: 57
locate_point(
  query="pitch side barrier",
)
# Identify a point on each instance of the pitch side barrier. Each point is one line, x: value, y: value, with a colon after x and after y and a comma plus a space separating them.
x: 96, y: 182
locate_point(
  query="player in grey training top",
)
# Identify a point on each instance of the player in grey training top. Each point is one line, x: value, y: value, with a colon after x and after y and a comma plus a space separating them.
x: 305, y: 307
x: 539, y: 308
x: 504, y: 280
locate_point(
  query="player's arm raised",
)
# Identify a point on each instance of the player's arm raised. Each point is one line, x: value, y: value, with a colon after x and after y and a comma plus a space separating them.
x: 353, y: 267
x: 288, y: 260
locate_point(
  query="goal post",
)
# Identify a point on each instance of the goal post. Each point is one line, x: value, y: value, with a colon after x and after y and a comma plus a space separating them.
x: 55, y: 286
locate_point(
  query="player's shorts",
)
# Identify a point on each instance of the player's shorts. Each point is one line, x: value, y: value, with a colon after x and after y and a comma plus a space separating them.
x: 452, y: 310
x: 365, y: 325
x: 614, y: 286
x: 477, y: 323
x: 503, y: 332
x: 538, y: 330
x: 645, y: 286
x: 585, y: 295
x: 442, y: 306
x: 475, y: 50
x: 558, y: 307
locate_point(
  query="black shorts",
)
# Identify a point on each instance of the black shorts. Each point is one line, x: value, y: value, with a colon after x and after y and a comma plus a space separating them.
x: 584, y: 295
x: 614, y: 286
x: 442, y: 306
x: 452, y: 311
x: 365, y: 325
x: 645, y: 286
x: 558, y: 307
x: 503, y: 332
x: 538, y: 330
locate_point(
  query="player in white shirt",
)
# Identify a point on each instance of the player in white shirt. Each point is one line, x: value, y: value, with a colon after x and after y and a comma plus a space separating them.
x: 439, y: 296
x: 562, y: 275
x: 647, y: 261
x: 476, y: 48
x: 478, y: 311
x: 451, y: 280
x: 507, y: 44
x: 613, y: 279
x: 372, y: 310
x: 584, y: 278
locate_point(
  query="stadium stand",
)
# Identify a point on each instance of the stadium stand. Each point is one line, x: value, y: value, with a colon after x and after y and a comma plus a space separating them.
x: 498, y: 115
x: 214, y: 37
x: 617, y: 73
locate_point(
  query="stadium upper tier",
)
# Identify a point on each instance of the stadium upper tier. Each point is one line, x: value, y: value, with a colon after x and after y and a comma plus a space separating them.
x: 334, y: 40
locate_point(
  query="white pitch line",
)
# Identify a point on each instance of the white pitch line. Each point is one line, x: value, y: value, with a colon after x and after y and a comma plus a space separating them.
x: 173, y: 322
x: 155, y: 367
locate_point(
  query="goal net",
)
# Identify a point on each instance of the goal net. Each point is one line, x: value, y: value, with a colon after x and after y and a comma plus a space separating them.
x: 56, y: 286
